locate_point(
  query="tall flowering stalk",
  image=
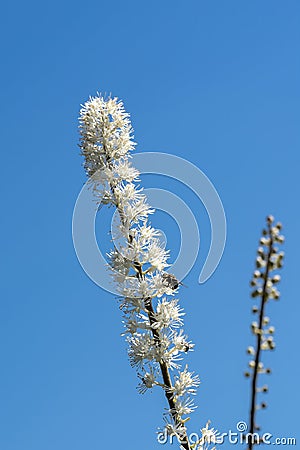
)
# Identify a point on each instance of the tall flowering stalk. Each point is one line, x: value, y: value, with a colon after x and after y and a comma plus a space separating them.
x: 264, y: 283
x: 153, y: 318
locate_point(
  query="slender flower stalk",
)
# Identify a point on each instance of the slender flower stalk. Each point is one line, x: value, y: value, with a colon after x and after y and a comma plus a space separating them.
x: 269, y: 260
x: 153, y: 319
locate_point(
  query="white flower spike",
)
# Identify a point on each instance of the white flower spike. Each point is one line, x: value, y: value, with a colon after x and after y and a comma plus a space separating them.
x: 153, y: 319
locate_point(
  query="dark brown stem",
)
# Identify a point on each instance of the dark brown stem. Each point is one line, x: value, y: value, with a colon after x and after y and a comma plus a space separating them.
x: 184, y: 442
x: 166, y: 375
x: 264, y: 297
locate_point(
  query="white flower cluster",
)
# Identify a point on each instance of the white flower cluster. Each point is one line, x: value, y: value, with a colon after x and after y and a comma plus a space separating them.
x: 204, y: 441
x: 152, y: 316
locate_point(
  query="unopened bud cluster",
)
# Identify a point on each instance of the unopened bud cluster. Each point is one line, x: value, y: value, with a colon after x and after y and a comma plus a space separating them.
x: 264, y: 284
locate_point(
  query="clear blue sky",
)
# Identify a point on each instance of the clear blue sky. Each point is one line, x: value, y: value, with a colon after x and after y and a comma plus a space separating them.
x: 214, y: 82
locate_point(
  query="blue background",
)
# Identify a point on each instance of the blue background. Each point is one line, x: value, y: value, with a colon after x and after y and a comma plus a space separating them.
x: 214, y: 82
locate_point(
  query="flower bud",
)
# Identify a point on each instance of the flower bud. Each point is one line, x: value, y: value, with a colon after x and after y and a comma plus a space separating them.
x: 260, y: 251
x: 257, y: 292
x: 260, y: 262
x: 250, y: 350
x: 265, y: 241
x: 276, y: 278
x: 272, y: 345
